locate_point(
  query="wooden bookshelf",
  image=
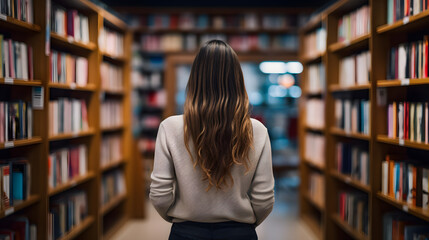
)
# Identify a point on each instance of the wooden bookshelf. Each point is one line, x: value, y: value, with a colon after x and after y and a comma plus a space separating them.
x: 112, y: 204
x: 348, y: 229
x: 316, y: 204
x: 90, y: 87
x: 70, y: 44
x: 402, y: 142
x: 77, y: 230
x: 31, y: 200
x: 337, y: 88
x: 22, y: 27
x: 350, y: 181
x: 354, y: 44
x: 71, y: 184
x: 20, y: 82
x: 418, y: 21
x: 21, y: 143
x: 66, y: 136
x: 341, y: 133
x: 113, y: 164
x: 402, y: 83
x: 314, y: 165
x: 403, y: 206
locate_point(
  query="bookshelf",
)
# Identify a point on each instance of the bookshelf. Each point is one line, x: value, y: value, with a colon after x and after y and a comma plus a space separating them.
x: 381, y: 90
x: 91, y: 92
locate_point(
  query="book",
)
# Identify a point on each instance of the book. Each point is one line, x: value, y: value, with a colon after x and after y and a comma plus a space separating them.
x: 19, y: 9
x: 111, y: 113
x: 314, y: 148
x: 399, y: 225
x: 354, y: 24
x: 353, y: 115
x: 315, y: 42
x: 112, y: 185
x: 316, y: 188
x: 315, y: 113
x: 111, y: 76
x: 67, y: 115
x: 353, y: 210
x: 15, y: 181
x: 353, y: 161
x: 399, y: 9
x: 316, y: 78
x: 355, y: 69
x: 69, y: 23
x: 68, y: 69
x: 111, y: 42
x: 15, y: 121
x: 15, y: 59
x: 407, y: 120
x: 111, y: 149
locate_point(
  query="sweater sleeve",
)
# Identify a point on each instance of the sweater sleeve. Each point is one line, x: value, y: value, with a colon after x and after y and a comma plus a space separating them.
x: 262, y: 188
x: 163, y: 176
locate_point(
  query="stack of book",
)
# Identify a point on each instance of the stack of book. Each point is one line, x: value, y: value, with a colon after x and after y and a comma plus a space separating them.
x: 111, y: 113
x: 398, y: 9
x: 409, y: 60
x: 315, y: 42
x: 315, y: 148
x: 150, y: 122
x: 353, y: 209
x: 111, y: 149
x: 353, y: 115
x: 69, y: 23
x: 16, y: 120
x: 16, y: 60
x: 15, y: 181
x: 277, y: 21
x: 65, y: 212
x: 148, y: 81
x: 354, y: 24
x: 315, y: 113
x: 408, y: 120
x: 406, y: 180
x: 18, y: 227
x: 316, y: 81
x: 19, y: 9
x: 317, y: 188
x: 399, y: 225
x: 112, y: 185
x: 111, y: 42
x: 146, y: 144
x: 353, y: 161
x: 155, y: 99
x: 67, y: 115
x: 68, y: 69
x: 66, y: 164
x: 355, y: 69
x: 111, y: 76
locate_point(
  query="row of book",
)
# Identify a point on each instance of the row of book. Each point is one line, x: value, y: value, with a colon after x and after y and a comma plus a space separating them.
x: 188, y: 42
x: 146, y: 80
x: 316, y: 188
x: 111, y: 149
x: 111, y: 76
x: 144, y: 62
x: 69, y: 23
x: 315, y: 113
x: 188, y: 21
x: 353, y: 115
x: 111, y: 113
x: 355, y: 69
x: 315, y: 148
x: 112, y: 186
x: 150, y: 122
x: 154, y: 99
x: 315, y: 42
x: 353, y: 161
x: 405, y: 180
x: 66, y: 164
x: 18, y: 9
x: 409, y: 60
x: 316, y: 80
x: 111, y: 42
x: 399, y: 225
x: 408, y: 120
x: 354, y: 24
x: 146, y: 144
x: 16, y: 60
x: 353, y: 209
x: 67, y: 115
x: 66, y: 212
x: 18, y: 227
x: 398, y: 9
x: 68, y: 69
x: 16, y: 120
x: 15, y: 179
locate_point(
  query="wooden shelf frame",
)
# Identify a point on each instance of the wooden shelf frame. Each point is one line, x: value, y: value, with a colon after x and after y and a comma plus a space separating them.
x: 21, y: 82
x: 72, y: 183
x: 113, y: 164
x: 403, y: 82
x: 337, y: 88
x: 107, y: 207
x: 348, y: 229
x: 350, y: 181
x: 402, y: 143
x: 405, y: 207
x: 77, y: 230
x: 18, y: 25
x: 67, y: 136
x: 341, y: 133
x: 402, y: 25
x: 31, y: 200
x: 90, y: 87
x: 20, y: 143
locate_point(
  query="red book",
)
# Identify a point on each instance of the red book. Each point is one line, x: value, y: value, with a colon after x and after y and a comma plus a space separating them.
x: 11, y: 59
x: 406, y: 8
x: 425, y: 56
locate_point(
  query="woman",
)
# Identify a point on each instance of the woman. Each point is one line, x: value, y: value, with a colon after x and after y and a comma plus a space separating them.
x: 212, y: 175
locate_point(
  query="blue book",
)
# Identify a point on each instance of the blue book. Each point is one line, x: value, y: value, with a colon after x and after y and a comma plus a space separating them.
x: 18, y: 186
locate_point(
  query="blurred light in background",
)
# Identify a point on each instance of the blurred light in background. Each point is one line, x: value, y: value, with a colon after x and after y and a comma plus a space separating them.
x: 294, y: 67
x: 277, y: 91
x: 256, y: 98
x: 272, y: 67
x: 295, y: 91
x: 286, y: 80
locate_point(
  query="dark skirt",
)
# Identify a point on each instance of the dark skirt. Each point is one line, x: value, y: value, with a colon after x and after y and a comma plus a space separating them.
x: 212, y: 231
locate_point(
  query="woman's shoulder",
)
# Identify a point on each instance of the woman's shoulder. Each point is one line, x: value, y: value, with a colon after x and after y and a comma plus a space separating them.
x: 258, y: 126
x: 172, y: 122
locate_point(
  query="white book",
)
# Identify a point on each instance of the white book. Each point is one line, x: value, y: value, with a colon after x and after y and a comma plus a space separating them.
x: 18, y: 59
x: 425, y: 188
x: 410, y: 184
x: 82, y: 160
x: 33, y: 232
x: 347, y: 115
x: 24, y: 61
x: 401, y: 120
x: 416, y: 7
x: 81, y: 71
x: 64, y: 166
x: 384, y: 177
x: 412, y: 116
x: 419, y: 116
x: 402, y: 58
x: 77, y: 27
x: 84, y: 28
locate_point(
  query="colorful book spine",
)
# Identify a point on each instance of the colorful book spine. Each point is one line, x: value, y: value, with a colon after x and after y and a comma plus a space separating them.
x: 67, y: 115
x: 355, y: 69
x: 15, y: 182
x: 19, y: 9
x: 399, y: 9
x: 111, y: 113
x: 16, y: 121
x: 111, y: 42
x: 353, y: 209
x: 407, y: 120
x: 16, y: 60
x: 112, y: 185
x: 353, y: 161
x: 69, y: 23
x: 111, y: 149
x: 353, y: 116
x: 111, y: 76
x: 354, y: 24
x: 68, y: 69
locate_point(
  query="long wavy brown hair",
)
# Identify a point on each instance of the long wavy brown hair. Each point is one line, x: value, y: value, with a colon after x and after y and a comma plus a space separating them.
x: 216, y: 114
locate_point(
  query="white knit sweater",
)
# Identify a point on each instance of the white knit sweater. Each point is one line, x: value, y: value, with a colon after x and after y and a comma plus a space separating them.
x: 178, y: 193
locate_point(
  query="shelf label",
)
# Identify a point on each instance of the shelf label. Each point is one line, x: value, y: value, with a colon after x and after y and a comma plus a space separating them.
x: 9, y: 211
x: 73, y: 85
x: 70, y: 39
x: 38, y: 98
x: 401, y: 142
x: 8, y: 80
x: 3, y: 17
x: 405, y: 208
x: 381, y: 97
x: 406, y: 20
x: 405, y: 82
x: 9, y: 144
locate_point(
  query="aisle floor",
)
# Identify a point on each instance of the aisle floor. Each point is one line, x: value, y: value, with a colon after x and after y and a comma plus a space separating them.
x: 282, y: 224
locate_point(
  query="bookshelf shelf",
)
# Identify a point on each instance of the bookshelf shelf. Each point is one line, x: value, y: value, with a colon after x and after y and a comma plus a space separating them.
x: 312, y: 59
x: 70, y: 44
x: 402, y: 83
x: 314, y: 226
x: 317, y: 205
x: 20, y: 143
x: 342, y: 133
x: 348, y: 229
x: 21, y: 82
x: 66, y: 136
x: 416, y: 211
x: 112, y: 204
x: 77, y: 230
x: 228, y: 30
x: 118, y: 92
x: 88, y: 88
x: 337, y: 88
x: 404, y: 143
x: 113, y: 165
x: 355, y: 44
x: 18, y: 25
x: 314, y: 94
x: 350, y: 181
x: 113, y: 59
x: 418, y: 21
x: 71, y: 184
x: 24, y: 204
x: 314, y: 165
x: 314, y: 129
x: 112, y: 129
